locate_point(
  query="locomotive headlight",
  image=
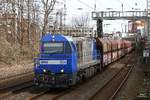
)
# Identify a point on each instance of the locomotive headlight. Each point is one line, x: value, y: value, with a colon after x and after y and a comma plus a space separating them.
x: 36, y: 63
x: 44, y: 70
x: 36, y: 66
x: 62, y: 70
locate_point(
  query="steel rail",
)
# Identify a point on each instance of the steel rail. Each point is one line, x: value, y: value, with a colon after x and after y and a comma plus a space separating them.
x: 122, y: 83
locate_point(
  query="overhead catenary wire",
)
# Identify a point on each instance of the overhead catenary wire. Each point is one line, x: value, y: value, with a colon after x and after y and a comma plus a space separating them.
x: 85, y: 4
x: 124, y: 3
x: 120, y: 1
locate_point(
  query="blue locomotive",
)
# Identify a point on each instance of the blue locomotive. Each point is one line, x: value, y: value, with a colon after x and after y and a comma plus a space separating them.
x: 65, y: 60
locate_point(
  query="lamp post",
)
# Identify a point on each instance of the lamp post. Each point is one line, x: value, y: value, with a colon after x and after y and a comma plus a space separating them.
x: 124, y: 27
x: 122, y: 6
x: 81, y: 26
x: 95, y: 6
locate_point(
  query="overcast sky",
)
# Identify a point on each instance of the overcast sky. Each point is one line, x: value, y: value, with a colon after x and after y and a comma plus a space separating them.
x: 102, y: 5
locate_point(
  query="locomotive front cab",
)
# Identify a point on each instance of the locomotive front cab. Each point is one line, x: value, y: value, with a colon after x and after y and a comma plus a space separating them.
x: 56, y: 65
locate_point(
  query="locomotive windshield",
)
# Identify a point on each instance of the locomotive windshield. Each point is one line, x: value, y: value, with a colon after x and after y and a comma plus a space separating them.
x: 53, y: 48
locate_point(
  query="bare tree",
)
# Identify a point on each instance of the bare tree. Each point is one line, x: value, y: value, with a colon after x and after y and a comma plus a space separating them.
x: 80, y: 21
x: 8, y: 14
x: 48, y: 6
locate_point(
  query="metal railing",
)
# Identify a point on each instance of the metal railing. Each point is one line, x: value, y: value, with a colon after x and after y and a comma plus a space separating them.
x: 119, y: 14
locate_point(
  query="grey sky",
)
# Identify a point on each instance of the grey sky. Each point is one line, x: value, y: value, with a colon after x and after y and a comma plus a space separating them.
x: 73, y: 5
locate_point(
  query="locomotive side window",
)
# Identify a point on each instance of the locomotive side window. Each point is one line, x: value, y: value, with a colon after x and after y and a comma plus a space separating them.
x: 68, y: 48
x: 74, y: 48
x: 53, y: 47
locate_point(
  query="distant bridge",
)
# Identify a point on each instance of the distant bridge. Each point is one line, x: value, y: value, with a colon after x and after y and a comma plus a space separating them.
x: 125, y: 15
x: 121, y: 15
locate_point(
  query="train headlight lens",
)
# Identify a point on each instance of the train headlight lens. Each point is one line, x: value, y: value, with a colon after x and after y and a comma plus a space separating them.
x: 62, y: 71
x: 44, y: 70
x: 36, y: 65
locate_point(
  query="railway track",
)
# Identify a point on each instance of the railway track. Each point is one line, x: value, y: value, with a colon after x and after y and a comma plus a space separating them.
x: 5, y: 92
x: 22, y: 74
x: 15, y: 80
x: 14, y: 83
x: 113, y: 86
x: 122, y: 83
x: 57, y: 95
x: 9, y: 91
x: 53, y: 96
x: 35, y: 94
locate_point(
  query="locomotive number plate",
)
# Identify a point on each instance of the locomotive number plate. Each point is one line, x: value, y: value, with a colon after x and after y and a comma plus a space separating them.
x: 55, y: 62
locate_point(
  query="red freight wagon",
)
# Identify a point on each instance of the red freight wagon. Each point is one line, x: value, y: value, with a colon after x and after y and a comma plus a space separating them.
x: 119, y: 48
x: 109, y: 50
x: 103, y: 45
x: 114, y: 49
x: 122, y: 48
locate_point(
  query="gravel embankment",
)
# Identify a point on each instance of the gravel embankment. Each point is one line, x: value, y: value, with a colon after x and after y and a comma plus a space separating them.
x: 10, y: 76
x: 15, y: 70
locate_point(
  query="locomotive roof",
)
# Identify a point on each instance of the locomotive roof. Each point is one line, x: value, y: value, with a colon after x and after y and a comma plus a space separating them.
x: 60, y: 37
x: 55, y: 37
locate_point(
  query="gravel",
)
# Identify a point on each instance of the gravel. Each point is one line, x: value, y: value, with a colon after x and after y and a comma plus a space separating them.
x: 134, y: 83
x: 14, y: 75
x: 15, y: 70
x: 87, y: 90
